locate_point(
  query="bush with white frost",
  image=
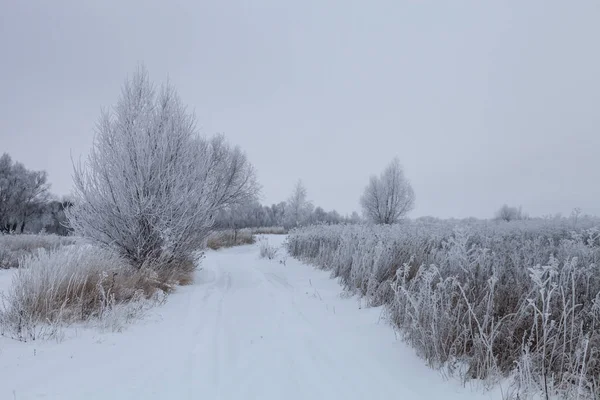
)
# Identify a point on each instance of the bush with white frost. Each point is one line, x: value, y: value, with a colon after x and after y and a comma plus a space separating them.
x: 267, y: 250
x: 519, y: 298
x: 54, y: 288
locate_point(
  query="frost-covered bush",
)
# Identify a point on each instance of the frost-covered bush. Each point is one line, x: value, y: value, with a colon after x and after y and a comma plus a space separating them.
x: 76, y: 283
x: 14, y: 247
x: 267, y: 250
x: 496, y: 298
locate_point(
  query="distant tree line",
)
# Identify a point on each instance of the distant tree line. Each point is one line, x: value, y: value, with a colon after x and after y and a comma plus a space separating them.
x: 296, y: 211
x: 26, y: 205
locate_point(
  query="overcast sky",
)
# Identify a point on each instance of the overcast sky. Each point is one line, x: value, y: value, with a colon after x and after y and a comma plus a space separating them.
x: 484, y: 102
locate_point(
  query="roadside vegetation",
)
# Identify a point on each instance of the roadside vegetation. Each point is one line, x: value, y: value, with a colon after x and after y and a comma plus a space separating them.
x: 144, y: 203
x: 482, y: 299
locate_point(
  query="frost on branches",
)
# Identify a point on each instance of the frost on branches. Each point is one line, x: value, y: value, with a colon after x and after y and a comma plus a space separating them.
x: 151, y: 186
x: 485, y: 298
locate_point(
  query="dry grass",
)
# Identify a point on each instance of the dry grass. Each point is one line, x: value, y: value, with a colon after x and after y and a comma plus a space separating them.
x: 15, y: 247
x: 82, y: 283
x: 229, y: 238
x: 178, y: 273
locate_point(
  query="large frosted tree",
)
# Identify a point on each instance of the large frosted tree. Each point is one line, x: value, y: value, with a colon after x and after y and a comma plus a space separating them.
x: 388, y: 197
x: 151, y: 187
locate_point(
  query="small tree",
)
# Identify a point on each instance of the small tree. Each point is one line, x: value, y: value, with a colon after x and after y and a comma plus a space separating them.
x: 298, y: 208
x: 506, y: 213
x: 319, y: 215
x: 229, y: 179
x: 389, y: 197
x: 23, y: 193
x: 355, y: 218
x: 151, y: 187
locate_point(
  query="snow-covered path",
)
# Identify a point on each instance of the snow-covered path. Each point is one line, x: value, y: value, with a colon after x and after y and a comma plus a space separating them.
x: 247, y: 329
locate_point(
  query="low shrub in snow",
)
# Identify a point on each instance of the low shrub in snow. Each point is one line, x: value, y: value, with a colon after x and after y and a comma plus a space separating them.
x: 229, y: 238
x: 13, y: 247
x: 519, y: 298
x: 80, y: 283
x: 267, y: 250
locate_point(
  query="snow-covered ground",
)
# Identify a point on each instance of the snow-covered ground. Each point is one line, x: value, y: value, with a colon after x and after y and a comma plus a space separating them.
x: 247, y: 329
x: 6, y: 278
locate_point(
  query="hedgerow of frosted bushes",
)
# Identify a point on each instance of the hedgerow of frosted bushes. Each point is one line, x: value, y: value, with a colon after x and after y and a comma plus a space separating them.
x: 519, y: 299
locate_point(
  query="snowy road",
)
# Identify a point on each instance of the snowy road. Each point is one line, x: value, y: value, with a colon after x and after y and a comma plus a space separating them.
x: 247, y: 329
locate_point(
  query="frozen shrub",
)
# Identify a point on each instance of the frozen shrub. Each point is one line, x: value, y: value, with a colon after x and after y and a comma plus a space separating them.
x: 267, y: 250
x: 76, y: 283
x: 519, y: 298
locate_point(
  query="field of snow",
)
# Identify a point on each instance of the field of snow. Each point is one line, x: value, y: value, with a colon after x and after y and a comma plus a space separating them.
x: 249, y: 328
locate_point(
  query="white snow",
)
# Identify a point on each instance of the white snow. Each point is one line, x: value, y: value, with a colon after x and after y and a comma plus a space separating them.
x: 6, y: 276
x: 248, y: 328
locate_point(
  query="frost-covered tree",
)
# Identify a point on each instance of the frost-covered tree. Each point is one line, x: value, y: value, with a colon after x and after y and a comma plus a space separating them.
x: 355, y: 218
x: 246, y: 215
x: 151, y: 187
x: 278, y: 213
x: 389, y: 197
x: 22, y: 194
x: 298, y: 208
x: 52, y: 218
x: 319, y: 215
x: 228, y: 176
x: 507, y: 213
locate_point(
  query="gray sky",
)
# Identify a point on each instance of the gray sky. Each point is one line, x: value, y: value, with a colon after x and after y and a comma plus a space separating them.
x: 484, y: 102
